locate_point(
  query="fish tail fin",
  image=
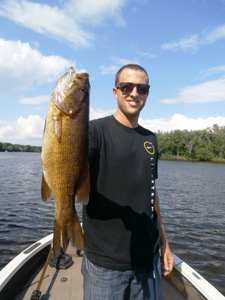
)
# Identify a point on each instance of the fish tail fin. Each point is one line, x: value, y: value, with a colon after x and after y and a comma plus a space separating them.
x: 56, y: 237
x: 75, y: 232
x: 65, y: 238
x: 83, y: 187
x: 46, y: 192
x: 70, y: 230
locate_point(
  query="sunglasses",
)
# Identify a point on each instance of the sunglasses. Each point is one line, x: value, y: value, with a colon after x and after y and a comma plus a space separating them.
x: 127, y: 87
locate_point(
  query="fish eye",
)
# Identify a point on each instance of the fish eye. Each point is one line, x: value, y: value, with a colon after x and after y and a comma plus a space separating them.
x: 84, y: 89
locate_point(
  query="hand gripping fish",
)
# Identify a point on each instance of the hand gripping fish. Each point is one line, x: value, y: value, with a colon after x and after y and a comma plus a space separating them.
x: 65, y: 156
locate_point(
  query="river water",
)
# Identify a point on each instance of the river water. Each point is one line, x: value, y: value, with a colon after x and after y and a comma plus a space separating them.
x: 192, y: 202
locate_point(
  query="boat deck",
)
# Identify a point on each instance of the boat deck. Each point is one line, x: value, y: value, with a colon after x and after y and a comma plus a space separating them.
x: 22, y: 276
x: 68, y: 284
x: 57, y: 284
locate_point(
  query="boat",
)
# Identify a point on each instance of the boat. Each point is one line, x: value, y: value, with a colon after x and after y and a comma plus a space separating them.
x: 29, y: 276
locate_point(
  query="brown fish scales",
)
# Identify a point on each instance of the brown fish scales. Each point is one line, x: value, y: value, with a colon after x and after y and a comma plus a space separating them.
x: 65, y: 156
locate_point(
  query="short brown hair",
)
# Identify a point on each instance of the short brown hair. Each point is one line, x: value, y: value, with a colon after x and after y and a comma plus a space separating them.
x: 129, y: 66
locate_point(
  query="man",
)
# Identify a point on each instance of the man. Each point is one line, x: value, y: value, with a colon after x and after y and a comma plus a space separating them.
x: 122, y: 224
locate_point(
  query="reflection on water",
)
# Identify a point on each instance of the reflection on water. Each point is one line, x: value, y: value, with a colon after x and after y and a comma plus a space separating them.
x: 191, y: 200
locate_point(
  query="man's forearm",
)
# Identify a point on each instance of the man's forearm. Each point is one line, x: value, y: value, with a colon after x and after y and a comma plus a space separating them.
x: 163, y: 238
x: 167, y: 259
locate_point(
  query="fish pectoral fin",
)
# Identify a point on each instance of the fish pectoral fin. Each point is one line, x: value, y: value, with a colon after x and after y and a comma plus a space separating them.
x: 46, y: 192
x: 83, y: 187
x: 57, y: 118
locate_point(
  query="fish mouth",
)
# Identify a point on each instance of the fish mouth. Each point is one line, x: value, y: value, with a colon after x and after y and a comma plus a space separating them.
x: 77, y: 78
x: 70, y: 92
x: 82, y: 80
x: 82, y: 76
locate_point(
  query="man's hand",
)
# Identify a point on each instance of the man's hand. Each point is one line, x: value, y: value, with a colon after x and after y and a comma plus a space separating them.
x: 167, y: 259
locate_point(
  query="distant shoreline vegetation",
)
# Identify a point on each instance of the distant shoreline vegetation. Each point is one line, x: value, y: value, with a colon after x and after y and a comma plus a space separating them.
x: 7, y: 147
x: 198, y: 145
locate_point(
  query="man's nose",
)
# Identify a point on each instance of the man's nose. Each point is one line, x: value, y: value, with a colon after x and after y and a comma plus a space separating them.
x: 134, y: 92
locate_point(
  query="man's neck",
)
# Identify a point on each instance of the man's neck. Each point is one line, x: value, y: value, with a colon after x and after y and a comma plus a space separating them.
x: 131, y: 122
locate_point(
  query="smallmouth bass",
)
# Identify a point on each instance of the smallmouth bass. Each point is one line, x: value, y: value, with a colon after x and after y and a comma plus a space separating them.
x: 65, y: 156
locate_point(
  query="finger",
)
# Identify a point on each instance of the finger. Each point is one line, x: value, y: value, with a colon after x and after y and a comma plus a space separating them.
x: 168, y: 266
x: 166, y: 271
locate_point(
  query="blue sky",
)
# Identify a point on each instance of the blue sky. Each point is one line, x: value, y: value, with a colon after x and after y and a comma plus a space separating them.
x: 181, y: 43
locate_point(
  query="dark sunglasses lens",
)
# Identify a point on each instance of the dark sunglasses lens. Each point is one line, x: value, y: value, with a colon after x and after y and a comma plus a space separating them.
x: 143, y: 89
x: 126, y: 87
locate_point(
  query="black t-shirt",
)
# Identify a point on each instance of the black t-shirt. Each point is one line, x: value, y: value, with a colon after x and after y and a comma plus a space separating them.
x: 120, y: 224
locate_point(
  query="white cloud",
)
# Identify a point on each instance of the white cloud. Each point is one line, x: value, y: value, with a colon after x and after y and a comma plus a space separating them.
x: 35, y: 100
x: 212, y: 71
x: 210, y: 91
x: 32, y: 126
x: 118, y: 62
x: 23, y: 130
x: 21, y: 66
x: 190, y: 44
x: 5, y: 131
x: 99, y: 113
x: 46, y: 20
x: 214, y: 35
x: 30, y: 130
x: 148, y: 53
x: 195, y: 41
x: 123, y: 61
x: 95, y: 12
x: 67, y: 22
x: 108, y: 70
x: 181, y: 122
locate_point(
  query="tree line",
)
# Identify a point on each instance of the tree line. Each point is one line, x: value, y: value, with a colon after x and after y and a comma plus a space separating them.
x: 7, y: 147
x: 200, y: 145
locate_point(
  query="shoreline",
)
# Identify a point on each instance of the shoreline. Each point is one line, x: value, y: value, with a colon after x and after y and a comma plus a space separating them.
x: 180, y: 158
x: 169, y: 157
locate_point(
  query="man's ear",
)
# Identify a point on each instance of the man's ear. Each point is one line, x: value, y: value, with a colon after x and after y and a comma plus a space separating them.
x: 115, y: 92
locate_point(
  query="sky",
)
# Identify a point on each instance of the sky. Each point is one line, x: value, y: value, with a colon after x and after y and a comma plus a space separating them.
x: 181, y: 44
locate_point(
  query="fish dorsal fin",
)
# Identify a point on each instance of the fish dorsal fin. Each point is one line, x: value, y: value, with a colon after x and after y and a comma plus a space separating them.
x: 46, y: 192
